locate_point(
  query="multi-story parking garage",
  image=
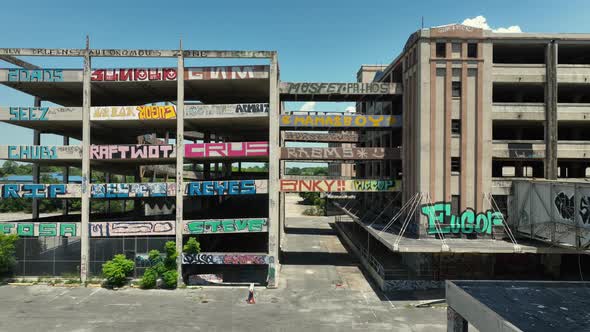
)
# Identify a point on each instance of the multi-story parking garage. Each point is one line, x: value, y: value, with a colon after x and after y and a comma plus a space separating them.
x: 423, y: 169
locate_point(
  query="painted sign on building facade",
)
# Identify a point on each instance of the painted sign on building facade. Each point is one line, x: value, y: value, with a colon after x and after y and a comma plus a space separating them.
x: 337, y: 185
x: 231, y: 149
x: 46, y: 229
x: 340, y: 121
x: 212, y: 226
x: 343, y: 153
x: 468, y: 222
x: 337, y: 88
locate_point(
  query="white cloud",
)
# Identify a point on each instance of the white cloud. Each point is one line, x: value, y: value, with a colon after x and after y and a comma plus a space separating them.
x: 350, y: 109
x: 482, y: 23
x: 308, y: 107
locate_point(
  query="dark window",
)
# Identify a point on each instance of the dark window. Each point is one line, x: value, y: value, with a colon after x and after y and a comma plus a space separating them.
x: 456, y: 127
x: 456, y: 89
x: 455, y: 164
x: 472, y: 50
x: 441, y: 50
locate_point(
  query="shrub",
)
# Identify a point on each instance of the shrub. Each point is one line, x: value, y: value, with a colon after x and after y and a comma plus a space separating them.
x: 192, y: 246
x: 171, y: 255
x: 7, y: 253
x: 169, y: 278
x: 150, y: 276
x: 116, y: 270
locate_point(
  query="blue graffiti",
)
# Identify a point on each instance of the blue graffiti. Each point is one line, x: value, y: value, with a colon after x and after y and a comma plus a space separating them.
x: 212, y: 188
x: 28, y: 113
x: 31, y: 152
x: 33, y: 190
x: 124, y: 190
x: 35, y: 75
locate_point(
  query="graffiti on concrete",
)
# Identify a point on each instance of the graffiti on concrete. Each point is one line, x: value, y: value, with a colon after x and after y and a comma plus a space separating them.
x: 31, y: 152
x: 195, y: 111
x: 40, y: 229
x: 234, y: 187
x: 35, y: 75
x: 226, y: 73
x: 585, y: 209
x: 157, y: 112
x: 225, y: 226
x: 131, y: 228
x: 228, y: 259
x: 232, y: 149
x: 340, y: 121
x: 28, y: 113
x: 149, y: 112
x: 31, y: 190
x: 469, y: 222
x: 125, y: 190
x: 134, y: 74
x: 337, y: 185
x: 348, y: 137
x: 339, y: 153
x: 565, y: 205
x: 336, y: 88
x: 131, y: 151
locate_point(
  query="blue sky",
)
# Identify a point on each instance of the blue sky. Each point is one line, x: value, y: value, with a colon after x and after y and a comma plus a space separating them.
x: 316, y: 40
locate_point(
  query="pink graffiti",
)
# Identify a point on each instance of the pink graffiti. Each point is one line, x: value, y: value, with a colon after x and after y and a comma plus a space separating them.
x: 233, y: 149
x: 244, y: 259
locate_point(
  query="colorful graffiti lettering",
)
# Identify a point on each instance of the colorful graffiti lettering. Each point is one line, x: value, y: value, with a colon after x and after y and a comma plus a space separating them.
x: 124, y: 190
x: 28, y: 113
x: 131, y: 228
x: 134, y: 74
x: 31, y: 152
x: 439, y: 215
x: 35, y: 75
x: 211, y: 188
x: 252, y: 108
x: 131, y: 151
x: 232, y: 259
x: 336, y: 88
x: 156, y: 112
x: 40, y: 229
x: 233, y: 149
x: 330, y: 121
x: 337, y: 185
x: 34, y: 191
x: 225, y: 226
x: 195, y: 111
x: 344, y: 153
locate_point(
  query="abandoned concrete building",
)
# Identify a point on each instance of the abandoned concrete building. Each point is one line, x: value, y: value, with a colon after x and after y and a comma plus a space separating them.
x: 440, y: 173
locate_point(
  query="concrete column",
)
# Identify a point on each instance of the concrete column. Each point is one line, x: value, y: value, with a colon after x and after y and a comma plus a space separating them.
x: 551, y: 111
x: 108, y: 180
x: 273, y: 175
x: 206, y: 164
x: 85, y: 209
x: 66, y: 179
x: 36, y: 168
x: 179, y: 161
x: 455, y: 322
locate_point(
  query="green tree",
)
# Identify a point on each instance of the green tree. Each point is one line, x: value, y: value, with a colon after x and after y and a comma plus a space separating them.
x: 7, y: 253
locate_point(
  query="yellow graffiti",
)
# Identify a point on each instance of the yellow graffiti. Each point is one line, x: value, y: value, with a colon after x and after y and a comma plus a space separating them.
x: 156, y: 112
x: 112, y: 112
x: 338, y: 120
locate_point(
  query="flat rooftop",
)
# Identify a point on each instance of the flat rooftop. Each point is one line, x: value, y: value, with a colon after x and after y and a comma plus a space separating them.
x: 521, y: 305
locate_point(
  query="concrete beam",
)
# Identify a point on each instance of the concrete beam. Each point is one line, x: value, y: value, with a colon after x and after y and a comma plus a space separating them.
x: 340, y: 121
x: 341, y: 137
x: 72, y: 52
